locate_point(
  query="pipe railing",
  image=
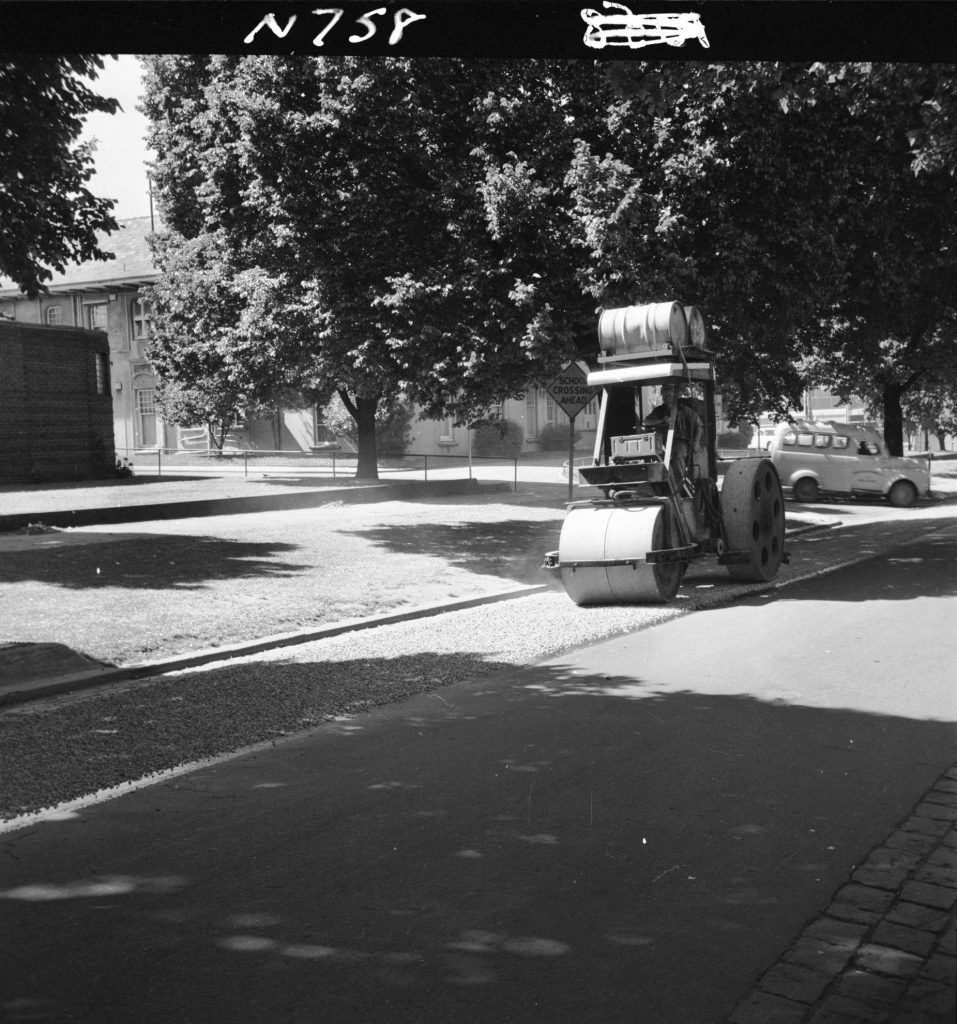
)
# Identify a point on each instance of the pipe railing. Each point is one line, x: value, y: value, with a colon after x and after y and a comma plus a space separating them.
x: 177, y: 459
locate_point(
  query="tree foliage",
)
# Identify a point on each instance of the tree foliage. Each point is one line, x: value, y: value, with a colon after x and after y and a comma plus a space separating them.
x: 447, y: 230
x: 50, y: 218
x: 411, y: 209
x: 808, y: 208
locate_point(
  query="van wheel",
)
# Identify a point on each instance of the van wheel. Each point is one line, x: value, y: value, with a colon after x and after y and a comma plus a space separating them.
x: 902, y: 494
x: 806, y: 489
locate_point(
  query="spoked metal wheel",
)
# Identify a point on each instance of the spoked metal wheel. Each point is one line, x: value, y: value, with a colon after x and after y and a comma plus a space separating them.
x: 752, y: 508
x: 618, y: 534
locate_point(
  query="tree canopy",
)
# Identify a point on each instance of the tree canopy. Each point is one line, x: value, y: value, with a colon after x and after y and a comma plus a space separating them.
x: 448, y: 230
x: 49, y: 216
x: 408, y: 213
x: 809, y: 208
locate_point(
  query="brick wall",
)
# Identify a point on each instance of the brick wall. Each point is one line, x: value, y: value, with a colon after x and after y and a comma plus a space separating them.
x: 56, y: 418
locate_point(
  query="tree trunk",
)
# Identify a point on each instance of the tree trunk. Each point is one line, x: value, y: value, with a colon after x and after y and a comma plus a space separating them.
x: 893, y: 419
x: 367, y: 466
x: 942, y: 439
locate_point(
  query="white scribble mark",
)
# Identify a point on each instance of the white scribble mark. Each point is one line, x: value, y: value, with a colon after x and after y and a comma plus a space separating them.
x: 637, y: 30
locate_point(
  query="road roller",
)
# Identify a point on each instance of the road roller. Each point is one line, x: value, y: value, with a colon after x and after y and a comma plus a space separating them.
x: 660, y: 503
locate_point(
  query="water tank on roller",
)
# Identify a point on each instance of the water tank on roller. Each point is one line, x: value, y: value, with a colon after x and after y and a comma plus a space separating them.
x: 642, y: 330
x: 697, y: 331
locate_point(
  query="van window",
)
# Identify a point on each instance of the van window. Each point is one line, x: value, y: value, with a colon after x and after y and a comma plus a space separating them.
x: 840, y: 442
x: 822, y: 440
x: 805, y: 440
x: 868, y: 448
x: 790, y: 438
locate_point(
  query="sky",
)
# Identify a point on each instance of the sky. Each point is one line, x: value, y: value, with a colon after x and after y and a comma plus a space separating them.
x: 121, y: 155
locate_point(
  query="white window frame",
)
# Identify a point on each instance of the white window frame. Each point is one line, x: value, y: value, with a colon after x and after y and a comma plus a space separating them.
x: 141, y: 318
x: 54, y: 316
x: 447, y: 430
x: 531, y: 414
x: 88, y: 315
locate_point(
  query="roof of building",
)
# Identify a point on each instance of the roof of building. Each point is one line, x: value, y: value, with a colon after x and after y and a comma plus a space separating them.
x: 131, y: 264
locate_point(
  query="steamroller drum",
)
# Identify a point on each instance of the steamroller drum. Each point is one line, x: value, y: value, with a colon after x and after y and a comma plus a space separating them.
x: 594, y: 533
x: 752, y: 509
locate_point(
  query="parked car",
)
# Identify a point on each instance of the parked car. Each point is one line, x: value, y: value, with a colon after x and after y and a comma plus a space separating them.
x: 826, y: 459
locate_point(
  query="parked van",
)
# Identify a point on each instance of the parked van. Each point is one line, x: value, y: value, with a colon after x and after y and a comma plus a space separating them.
x: 816, y: 459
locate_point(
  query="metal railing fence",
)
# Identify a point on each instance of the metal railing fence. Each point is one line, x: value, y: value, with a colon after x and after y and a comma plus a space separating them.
x: 192, y: 460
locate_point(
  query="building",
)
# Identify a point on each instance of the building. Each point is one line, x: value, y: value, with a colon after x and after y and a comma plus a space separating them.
x: 56, y: 417
x: 107, y: 296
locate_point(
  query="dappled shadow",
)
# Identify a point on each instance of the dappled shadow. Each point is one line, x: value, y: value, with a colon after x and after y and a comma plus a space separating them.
x: 512, y: 548
x: 143, y: 561
x: 564, y: 840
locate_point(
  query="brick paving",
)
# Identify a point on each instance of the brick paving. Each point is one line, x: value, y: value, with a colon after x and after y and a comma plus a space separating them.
x: 885, y: 949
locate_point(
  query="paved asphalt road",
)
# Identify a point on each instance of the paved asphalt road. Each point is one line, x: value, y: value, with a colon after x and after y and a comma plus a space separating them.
x: 631, y: 833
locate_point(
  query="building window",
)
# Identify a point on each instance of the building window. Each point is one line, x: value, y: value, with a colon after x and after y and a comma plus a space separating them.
x: 141, y: 317
x: 101, y: 365
x: 551, y: 410
x: 54, y: 316
x: 531, y: 414
x: 96, y: 316
x: 145, y: 424
x: 447, y: 431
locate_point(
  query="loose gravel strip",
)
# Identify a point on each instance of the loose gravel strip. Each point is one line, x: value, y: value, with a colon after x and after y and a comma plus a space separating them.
x: 59, y: 750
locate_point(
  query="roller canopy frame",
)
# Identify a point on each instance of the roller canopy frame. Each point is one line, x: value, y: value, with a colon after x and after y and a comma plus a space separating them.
x: 651, y: 371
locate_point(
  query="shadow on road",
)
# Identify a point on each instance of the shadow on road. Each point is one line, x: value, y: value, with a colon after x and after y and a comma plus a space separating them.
x: 540, y: 846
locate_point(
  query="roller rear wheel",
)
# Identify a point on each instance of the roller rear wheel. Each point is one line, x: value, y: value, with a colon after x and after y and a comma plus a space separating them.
x: 752, y: 508
x: 601, y: 533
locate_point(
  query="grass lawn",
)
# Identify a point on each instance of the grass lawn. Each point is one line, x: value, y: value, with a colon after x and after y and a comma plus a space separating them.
x: 132, y: 592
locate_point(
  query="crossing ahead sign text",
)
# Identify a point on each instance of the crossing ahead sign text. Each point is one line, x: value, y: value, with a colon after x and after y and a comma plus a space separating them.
x: 570, y: 390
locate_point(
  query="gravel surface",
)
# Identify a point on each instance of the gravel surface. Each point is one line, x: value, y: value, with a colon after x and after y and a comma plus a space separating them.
x: 62, y: 749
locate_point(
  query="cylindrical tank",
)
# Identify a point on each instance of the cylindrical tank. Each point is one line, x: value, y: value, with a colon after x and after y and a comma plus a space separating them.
x: 697, y: 330
x: 637, y: 330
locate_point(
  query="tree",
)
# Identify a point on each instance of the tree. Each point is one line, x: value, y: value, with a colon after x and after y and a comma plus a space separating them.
x: 716, y: 194
x: 49, y: 216
x: 389, y: 198
x: 792, y: 203
x: 223, y: 342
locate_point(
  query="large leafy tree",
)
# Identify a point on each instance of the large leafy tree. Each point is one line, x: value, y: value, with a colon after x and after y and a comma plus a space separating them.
x: 49, y: 216
x: 892, y: 324
x: 410, y: 214
x: 809, y: 208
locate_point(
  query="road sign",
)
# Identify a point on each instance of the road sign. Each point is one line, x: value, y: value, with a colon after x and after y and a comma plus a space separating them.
x: 570, y: 390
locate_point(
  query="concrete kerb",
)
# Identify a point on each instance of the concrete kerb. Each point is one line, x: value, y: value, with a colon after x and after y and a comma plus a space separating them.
x: 196, y: 507
x: 54, y: 685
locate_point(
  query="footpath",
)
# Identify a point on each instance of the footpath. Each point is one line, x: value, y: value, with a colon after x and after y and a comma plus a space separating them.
x: 884, y: 951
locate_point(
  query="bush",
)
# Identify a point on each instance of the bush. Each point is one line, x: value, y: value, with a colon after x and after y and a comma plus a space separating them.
x: 498, y: 437
x: 552, y: 438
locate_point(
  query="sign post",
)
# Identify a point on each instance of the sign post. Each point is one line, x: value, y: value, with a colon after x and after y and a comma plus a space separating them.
x: 572, y: 392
